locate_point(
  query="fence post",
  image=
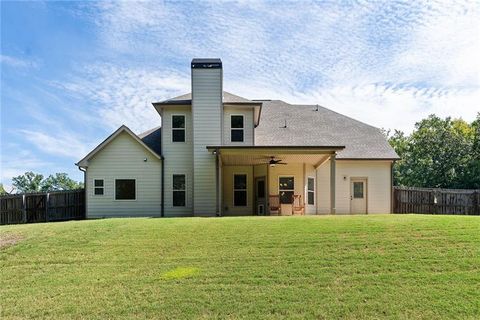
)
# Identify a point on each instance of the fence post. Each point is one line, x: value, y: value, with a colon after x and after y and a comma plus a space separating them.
x: 47, y: 198
x: 24, y: 209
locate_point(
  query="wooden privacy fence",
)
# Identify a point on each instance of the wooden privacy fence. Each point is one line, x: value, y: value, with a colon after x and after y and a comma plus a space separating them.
x: 436, y: 201
x: 42, y: 207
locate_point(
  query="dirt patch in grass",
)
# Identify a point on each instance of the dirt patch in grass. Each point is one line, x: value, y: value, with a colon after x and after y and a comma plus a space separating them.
x: 10, y: 239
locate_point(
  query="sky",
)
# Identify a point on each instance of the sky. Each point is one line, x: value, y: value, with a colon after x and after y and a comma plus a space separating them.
x: 73, y: 72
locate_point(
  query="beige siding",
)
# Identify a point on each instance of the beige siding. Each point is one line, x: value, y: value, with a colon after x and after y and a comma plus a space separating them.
x: 378, y: 176
x: 228, y: 208
x: 178, y: 159
x: 207, y: 130
x: 124, y: 158
x: 247, y: 124
x: 291, y: 169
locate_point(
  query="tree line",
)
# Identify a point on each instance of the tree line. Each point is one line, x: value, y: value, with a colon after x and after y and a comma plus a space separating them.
x: 439, y: 153
x: 35, y: 182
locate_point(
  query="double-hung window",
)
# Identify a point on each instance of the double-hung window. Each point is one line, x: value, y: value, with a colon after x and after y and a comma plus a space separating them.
x: 179, y: 190
x: 311, y: 191
x: 286, y: 189
x: 239, y: 190
x: 237, y: 128
x: 178, y: 128
x: 98, y: 187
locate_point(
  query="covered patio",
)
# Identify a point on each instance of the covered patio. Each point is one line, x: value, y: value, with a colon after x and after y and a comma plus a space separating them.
x: 267, y: 180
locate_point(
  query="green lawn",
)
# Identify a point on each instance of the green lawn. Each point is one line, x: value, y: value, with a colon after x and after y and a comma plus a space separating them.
x: 351, y: 267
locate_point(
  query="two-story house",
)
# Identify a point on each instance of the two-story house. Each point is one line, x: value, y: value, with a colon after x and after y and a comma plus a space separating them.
x: 220, y: 154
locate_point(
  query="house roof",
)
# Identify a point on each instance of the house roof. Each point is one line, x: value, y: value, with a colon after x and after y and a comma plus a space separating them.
x: 153, y: 139
x: 305, y: 126
x: 148, y: 136
x: 228, y: 98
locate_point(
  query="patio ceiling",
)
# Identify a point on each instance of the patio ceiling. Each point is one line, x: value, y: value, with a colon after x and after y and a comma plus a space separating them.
x: 232, y: 155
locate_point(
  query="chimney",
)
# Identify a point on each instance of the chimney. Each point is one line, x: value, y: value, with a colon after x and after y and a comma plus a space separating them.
x: 207, y: 114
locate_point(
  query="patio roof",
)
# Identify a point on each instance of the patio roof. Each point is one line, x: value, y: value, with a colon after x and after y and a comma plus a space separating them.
x: 253, y: 155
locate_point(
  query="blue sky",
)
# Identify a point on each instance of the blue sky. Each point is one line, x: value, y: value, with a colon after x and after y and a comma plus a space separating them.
x: 72, y: 72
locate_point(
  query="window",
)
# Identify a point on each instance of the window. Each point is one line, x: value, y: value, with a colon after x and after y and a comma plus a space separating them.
x: 358, y: 190
x: 179, y: 193
x: 311, y: 191
x: 178, y: 128
x: 98, y: 187
x: 239, y: 190
x: 236, y: 125
x: 286, y: 189
x: 125, y: 189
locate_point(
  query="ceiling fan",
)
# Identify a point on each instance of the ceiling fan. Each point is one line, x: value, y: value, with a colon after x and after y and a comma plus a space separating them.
x: 273, y: 162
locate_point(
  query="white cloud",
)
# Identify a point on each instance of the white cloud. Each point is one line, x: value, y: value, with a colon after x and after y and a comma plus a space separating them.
x: 386, y: 63
x: 17, y: 62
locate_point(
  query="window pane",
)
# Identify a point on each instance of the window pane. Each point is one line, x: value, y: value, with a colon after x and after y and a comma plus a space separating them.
x: 178, y: 121
x: 237, y: 121
x: 311, y: 184
x: 358, y: 190
x: 286, y: 197
x: 125, y: 189
x: 178, y: 135
x: 286, y: 183
x: 178, y: 182
x: 311, y: 198
x: 240, y: 181
x: 240, y: 198
x: 261, y: 189
x: 237, y: 135
x: 98, y: 191
x: 98, y: 182
x: 179, y: 198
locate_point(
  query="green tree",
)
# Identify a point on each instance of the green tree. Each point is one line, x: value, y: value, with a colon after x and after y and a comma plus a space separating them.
x: 2, y: 190
x: 34, y: 182
x: 28, y: 182
x: 440, y: 153
x: 60, y: 181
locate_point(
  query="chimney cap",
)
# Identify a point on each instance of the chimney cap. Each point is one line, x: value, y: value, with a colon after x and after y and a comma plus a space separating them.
x: 210, y: 63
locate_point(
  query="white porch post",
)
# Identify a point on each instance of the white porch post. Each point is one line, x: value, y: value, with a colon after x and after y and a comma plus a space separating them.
x: 332, y: 183
x: 218, y: 178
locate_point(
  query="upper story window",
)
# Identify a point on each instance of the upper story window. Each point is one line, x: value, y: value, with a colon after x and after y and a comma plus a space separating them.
x: 237, y: 128
x: 178, y: 128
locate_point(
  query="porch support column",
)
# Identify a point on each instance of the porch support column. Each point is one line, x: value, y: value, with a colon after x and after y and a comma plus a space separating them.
x: 332, y: 183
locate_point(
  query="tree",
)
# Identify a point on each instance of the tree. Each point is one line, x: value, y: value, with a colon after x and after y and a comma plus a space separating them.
x: 28, y: 182
x: 2, y: 190
x: 441, y: 153
x: 60, y: 181
x: 33, y: 182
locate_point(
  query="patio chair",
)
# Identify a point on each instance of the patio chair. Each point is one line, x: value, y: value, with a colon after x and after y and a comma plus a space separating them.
x: 274, y: 205
x: 297, y: 205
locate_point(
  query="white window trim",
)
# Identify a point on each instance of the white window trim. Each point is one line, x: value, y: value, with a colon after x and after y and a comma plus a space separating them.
x: 184, y: 129
x: 242, y: 128
x: 115, y: 190
x: 286, y: 176
x: 314, y: 191
x: 246, y: 189
x: 93, y: 189
x: 185, y: 190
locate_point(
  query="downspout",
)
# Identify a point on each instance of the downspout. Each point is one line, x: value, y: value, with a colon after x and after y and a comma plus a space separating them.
x: 84, y: 187
x: 162, y: 196
x: 391, y: 187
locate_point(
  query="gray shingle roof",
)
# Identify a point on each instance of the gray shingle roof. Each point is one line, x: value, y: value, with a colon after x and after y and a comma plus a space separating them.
x: 306, y: 127
x: 153, y: 139
x: 187, y: 99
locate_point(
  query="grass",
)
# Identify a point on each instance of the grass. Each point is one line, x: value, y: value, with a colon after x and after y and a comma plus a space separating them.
x: 352, y: 267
